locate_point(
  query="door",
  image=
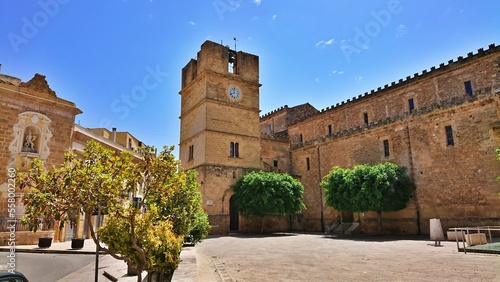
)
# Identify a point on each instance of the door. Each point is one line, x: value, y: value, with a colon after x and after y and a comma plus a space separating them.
x: 233, y: 215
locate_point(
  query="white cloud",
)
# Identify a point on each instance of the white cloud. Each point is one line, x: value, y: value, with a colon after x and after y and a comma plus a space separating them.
x: 324, y: 43
x: 275, y: 17
x: 336, y: 72
x: 329, y: 42
x: 257, y: 2
x: 358, y: 78
x: 401, y: 30
x: 192, y: 23
x: 316, y: 79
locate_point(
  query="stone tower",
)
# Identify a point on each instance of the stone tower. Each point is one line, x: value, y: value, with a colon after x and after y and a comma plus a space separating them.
x: 220, y: 133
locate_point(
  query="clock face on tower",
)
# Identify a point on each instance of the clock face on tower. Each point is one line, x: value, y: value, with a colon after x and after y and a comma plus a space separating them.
x: 233, y: 92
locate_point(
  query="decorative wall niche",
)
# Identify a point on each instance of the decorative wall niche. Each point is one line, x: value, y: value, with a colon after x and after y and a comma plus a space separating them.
x: 31, y: 138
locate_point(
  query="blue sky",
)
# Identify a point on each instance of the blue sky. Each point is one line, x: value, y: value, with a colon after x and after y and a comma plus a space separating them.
x: 120, y: 61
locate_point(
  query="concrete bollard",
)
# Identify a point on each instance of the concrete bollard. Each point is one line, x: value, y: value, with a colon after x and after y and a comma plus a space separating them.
x: 437, y: 234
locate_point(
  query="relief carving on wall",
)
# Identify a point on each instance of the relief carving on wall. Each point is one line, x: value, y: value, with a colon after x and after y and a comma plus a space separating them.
x: 31, y: 138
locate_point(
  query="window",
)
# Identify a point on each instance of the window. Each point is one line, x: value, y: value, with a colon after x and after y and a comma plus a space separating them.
x: 275, y: 163
x: 301, y: 138
x: 330, y: 131
x: 449, y: 135
x: 308, y: 164
x: 411, y: 105
x: 387, y: 152
x: 468, y: 87
x: 231, y: 65
x: 191, y: 153
x: 234, y: 150
x: 365, y: 117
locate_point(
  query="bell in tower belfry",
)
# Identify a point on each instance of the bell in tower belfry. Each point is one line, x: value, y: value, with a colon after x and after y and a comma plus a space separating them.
x: 232, y: 57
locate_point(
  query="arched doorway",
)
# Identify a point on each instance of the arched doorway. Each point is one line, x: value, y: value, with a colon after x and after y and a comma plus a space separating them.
x: 233, y: 215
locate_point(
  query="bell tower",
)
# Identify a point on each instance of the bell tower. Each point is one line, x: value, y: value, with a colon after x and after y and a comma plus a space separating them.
x: 220, y: 133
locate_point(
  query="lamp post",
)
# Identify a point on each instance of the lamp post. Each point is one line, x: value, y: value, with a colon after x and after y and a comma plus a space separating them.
x: 98, y: 222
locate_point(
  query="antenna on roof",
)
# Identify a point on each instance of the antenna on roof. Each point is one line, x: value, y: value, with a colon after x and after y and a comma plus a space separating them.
x: 234, y: 38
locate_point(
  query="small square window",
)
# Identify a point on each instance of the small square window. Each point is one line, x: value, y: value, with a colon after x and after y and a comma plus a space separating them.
x: 275, y: 163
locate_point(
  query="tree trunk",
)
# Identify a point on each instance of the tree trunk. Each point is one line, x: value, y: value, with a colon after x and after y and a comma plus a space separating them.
x: 379, y: 223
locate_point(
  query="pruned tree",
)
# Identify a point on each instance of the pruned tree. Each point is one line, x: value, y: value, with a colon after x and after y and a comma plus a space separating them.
x: 383, y: 187
x: 147, y: 234
x: 261, y: 193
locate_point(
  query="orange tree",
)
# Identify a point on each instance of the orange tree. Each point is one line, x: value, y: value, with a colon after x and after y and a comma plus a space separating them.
x: 261, y: 193
x: 145, y: 234
x: 383, y: 187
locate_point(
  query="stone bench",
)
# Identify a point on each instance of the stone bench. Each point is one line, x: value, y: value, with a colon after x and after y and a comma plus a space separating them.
x: 475, y: 239
x: 452, y: 235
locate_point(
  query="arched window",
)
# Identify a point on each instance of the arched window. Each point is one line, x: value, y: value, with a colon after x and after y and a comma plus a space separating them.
x: 234, y: 150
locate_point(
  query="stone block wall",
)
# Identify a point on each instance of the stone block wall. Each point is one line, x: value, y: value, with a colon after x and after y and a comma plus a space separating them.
x: 454, y: 182
x: 32, y: 106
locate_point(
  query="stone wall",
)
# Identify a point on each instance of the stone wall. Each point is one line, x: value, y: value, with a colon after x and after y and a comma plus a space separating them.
x: 454, y: 182
x: 32, y: 111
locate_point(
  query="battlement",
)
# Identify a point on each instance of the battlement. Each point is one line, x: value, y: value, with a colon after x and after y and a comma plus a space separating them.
x: 285, y: 107
x: 448, y: 104
x: 492, y: 48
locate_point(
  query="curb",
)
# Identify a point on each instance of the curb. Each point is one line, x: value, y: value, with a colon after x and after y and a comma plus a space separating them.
x: 49, y: 251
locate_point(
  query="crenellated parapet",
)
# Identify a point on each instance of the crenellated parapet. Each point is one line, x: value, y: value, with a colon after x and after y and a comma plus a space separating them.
x: 443, y: 67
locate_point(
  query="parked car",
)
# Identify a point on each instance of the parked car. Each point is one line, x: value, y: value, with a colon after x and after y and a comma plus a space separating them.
x: 13, y: 277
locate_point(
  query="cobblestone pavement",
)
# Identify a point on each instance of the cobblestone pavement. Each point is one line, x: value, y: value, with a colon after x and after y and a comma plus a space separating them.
x: 316, y: 257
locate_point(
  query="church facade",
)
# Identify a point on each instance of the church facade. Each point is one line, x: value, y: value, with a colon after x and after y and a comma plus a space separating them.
x: 36, y: 123
x: 442, y: 124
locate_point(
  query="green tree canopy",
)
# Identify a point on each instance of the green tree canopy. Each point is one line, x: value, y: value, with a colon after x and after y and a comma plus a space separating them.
x: 261, y: 193
x: 148, y: 235
x: 383, y: 187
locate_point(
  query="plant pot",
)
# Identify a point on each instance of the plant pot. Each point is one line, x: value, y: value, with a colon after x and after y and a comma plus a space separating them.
x: 44, y: 242
x: 77, y: 243
x: 130, y: 271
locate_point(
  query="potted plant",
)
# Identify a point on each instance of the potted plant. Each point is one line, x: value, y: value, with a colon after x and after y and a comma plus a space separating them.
x: 77, y: 243
x: 44, y: 242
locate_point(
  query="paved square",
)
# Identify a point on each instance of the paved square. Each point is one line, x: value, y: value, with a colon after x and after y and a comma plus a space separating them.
x: 316, y: 257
